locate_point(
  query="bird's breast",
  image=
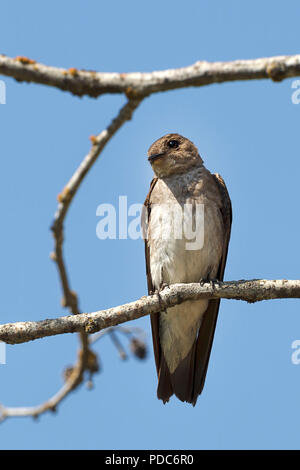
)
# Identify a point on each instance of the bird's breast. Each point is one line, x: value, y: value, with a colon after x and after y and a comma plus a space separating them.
x: 185, y: 241
x: 185, y: 237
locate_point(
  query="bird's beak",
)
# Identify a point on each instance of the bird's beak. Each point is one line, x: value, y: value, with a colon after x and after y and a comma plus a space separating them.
x: 155, y: 156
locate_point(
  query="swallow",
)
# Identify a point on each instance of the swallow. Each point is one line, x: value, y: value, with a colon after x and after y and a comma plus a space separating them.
x: 183, y: 334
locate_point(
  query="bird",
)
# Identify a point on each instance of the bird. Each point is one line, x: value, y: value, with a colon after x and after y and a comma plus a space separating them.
x: 183, y: 334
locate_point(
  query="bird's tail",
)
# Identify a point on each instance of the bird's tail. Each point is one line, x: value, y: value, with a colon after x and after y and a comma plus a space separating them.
x: 187, y: 381
x: 181, y: 382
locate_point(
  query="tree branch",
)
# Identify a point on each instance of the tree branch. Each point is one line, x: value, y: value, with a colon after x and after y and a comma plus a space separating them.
x: 249, y: 291
x: 86, y: 360
x: 134, y: 85
x: 73, y: 381
x: 65, y: 198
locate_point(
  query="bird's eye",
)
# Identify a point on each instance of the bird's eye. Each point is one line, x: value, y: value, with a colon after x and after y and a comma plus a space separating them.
x: 173, y: 144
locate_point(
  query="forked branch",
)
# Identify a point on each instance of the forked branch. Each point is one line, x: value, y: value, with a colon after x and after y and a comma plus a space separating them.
x: 135, y: 86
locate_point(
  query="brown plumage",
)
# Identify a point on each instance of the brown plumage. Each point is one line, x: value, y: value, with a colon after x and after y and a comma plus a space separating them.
x: 183, y: 177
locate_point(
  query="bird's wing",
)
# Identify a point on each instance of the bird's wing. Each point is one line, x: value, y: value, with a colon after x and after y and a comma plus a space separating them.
x: 154, y: 316
x: 207, y: 329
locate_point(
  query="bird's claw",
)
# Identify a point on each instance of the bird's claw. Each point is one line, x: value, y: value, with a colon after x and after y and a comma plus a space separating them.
x: 164, y: 286
x: 211, y: 282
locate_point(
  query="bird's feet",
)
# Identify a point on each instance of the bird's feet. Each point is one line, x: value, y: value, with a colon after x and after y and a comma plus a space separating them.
x: 157, y: 292
x: 211, y: 282
x: 203, y: 281
x: 163, y: 286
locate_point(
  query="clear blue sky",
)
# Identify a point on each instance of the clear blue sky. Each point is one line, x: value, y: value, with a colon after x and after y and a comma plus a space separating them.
x: 248, y: 132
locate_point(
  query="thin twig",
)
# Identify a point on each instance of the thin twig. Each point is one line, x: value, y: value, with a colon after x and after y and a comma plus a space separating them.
x: 128, y: 331
x: 49, y: 405
x: 86, y: 358
x: 117, y: 343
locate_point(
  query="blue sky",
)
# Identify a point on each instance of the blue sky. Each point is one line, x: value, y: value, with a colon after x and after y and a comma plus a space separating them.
x: 248, y: 132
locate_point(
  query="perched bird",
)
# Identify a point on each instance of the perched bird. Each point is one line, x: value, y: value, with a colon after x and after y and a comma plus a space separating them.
x: 183, y: 334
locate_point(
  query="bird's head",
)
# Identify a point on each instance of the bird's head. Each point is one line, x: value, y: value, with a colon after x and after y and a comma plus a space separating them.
x: 173, y: 154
